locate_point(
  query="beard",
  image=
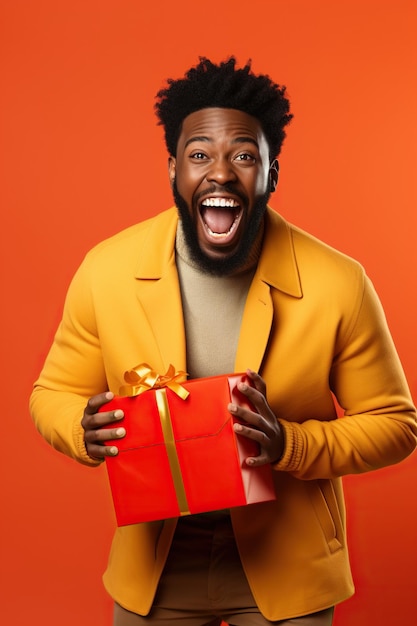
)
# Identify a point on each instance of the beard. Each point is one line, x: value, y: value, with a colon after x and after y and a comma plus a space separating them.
x: 228, y: 264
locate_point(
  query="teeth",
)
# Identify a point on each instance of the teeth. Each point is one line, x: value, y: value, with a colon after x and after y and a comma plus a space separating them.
x: 220, y: 202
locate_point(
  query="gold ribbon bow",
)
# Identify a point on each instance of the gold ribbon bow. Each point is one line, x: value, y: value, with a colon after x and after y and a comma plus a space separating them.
x: 143, y: 378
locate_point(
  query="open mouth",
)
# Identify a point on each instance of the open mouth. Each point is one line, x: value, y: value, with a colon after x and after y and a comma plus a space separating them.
x: 220, y: 217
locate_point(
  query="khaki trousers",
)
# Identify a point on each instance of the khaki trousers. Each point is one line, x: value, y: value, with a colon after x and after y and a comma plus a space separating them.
x: 203, y: 583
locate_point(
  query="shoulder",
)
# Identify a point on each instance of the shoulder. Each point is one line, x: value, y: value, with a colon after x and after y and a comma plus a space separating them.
x: 115, y: 262
x: 300, y: 264
x: 152, y: 239
x: 311, y: 252
x: 137, y: 235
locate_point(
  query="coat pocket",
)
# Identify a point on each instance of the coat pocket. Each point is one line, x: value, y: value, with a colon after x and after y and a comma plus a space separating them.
x: 324, y: 500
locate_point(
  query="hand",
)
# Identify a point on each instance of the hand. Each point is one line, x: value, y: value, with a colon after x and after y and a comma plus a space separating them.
x: 94, y: 433
x: 263, y: 426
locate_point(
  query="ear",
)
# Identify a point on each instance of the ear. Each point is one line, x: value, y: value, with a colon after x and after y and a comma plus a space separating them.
x: 171, y: 170
x: 273, y: 175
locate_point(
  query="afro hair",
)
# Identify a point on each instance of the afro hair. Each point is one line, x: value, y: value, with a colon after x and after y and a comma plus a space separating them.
x: 224, y: 86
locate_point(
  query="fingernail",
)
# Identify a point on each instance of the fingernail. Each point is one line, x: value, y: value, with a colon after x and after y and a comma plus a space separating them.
x: 232, y: 408
x: 120, y: 432
x: 118, y: 414
x: 243, y: 386
x: 113, y: 450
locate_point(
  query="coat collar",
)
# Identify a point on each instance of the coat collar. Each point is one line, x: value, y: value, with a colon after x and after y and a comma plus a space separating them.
x: 157, y: 252
x: 277, y: 264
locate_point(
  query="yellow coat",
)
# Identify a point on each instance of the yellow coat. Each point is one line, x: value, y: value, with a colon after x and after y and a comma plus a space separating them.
x: 312, y: 327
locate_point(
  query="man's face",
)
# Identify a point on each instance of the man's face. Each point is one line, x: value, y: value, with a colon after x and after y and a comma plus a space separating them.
x: 221, y: 178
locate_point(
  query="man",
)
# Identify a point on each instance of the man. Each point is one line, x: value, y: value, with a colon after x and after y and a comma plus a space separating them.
x: 222, y: 283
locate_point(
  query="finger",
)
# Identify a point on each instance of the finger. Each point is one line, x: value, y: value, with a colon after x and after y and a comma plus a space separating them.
x: 255, y: 397
x: 261, y: 423
x: 257, y: 381
x: 256, y: 461
x: 98, y: 420
x: 251, y: 433
x: 97, y: 401
x: 99, y: 452
x: 104, y: 434
x: 95, y: 442
x: 260, y: 437
x: 266, y: 455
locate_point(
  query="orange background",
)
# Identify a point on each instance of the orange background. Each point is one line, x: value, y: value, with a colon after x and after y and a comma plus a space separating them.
x: 82, y: 157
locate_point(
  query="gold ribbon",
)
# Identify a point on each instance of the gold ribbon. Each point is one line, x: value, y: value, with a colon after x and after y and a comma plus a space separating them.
x: 143, y: 378
x: 174, y: 464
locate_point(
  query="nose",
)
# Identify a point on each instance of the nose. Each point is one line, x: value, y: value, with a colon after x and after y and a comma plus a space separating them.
x: 221, y: 171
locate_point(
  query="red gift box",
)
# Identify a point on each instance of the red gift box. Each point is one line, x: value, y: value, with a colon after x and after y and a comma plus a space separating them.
x: 182, y: 456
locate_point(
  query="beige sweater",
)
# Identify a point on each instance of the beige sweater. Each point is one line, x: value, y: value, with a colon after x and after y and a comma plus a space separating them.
x: 213, y: 308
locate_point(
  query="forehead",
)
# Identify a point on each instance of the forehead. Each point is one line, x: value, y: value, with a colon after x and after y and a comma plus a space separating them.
x: 218, y: 123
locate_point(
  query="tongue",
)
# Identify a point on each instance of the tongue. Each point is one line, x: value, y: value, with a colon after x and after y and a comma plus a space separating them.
x: 219, y: 220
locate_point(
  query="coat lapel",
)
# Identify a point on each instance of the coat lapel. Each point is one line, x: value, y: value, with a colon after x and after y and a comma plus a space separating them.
x: 159, y: 292
x: 255, y: 327
x: 277, y: 270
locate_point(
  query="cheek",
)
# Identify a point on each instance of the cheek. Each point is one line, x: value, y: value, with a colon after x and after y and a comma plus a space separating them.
x: 263, y: 183
x: 186, y: 182
x: 189, y: 192
x: 257, y: 184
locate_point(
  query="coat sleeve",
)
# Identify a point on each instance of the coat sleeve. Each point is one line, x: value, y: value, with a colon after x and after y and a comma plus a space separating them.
x: 73, y: 372
x: 378, y: 427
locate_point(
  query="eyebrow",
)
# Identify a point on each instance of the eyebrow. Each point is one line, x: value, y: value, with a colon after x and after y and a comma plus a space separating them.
x: 208, y: 140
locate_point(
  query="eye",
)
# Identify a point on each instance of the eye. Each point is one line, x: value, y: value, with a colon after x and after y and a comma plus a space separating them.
x: 246, y: 157
x: 198, y: 156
